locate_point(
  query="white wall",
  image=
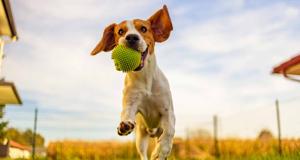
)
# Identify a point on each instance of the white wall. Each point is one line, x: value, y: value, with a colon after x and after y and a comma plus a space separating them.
x: 18, y: 153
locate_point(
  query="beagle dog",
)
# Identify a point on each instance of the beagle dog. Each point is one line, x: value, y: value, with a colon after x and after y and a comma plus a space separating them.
x: 147, y: 100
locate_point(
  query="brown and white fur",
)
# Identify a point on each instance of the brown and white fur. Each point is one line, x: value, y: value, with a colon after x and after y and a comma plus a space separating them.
x: 147, y: 100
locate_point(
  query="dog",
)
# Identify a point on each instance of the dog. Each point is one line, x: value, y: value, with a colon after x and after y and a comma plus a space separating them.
x: 147, y: 100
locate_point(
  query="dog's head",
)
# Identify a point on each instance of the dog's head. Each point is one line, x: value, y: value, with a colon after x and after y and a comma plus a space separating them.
x: 138, y: 34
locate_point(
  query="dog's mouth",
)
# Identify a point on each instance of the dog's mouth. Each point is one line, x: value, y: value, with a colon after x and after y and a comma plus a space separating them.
x: 143, y: 58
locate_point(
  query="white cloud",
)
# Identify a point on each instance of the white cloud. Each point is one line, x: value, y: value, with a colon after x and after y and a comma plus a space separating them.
x: 77, y: 10
x: 232, y: 4
x: 245, y: 29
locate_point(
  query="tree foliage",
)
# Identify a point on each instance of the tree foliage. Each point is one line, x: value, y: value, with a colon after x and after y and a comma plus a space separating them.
x: 265, y: 134
x: 25, y: 137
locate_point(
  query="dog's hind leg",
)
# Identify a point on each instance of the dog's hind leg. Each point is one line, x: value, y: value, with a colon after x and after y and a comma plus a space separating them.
x: 163, y: 146
x: 142, y: 139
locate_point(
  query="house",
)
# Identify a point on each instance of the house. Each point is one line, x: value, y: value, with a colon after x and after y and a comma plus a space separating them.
x: 17, y: 150
x: 14, y: 150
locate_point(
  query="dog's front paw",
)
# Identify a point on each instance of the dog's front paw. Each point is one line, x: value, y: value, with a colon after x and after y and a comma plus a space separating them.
x: 125, y: 128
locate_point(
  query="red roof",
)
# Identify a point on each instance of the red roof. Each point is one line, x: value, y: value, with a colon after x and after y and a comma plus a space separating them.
x: 288, y: 65
x: 18, y: 145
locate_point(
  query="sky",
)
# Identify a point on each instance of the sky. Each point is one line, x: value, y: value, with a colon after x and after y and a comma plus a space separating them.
x: 218, y: 61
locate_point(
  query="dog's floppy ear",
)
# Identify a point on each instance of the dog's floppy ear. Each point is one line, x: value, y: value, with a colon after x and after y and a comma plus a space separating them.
x: 107, y: 42
x: 161, y: 24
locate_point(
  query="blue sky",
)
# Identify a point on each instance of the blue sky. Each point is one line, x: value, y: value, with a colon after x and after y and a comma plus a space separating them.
x: 218, y: 60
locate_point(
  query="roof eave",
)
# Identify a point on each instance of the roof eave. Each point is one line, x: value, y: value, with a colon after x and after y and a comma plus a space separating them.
x: 8, y: 11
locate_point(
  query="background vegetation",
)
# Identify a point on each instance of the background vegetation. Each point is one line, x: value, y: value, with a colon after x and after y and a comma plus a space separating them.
x: 197, y: 147
x: 24, y: 137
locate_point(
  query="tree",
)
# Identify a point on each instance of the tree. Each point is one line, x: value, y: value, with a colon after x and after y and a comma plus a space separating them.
x: 28, y: 136
x: 265, y: 135
x: 25, y: 137
x: 15, y: 135
x: 3, y: 124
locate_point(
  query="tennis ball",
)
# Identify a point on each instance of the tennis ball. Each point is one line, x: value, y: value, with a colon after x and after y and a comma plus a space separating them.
x: 126, y: 59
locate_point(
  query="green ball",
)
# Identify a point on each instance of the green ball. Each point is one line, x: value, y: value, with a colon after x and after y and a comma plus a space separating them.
x: 126, y: 59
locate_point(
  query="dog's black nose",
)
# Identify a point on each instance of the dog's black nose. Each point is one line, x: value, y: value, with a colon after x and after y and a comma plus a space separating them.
x: 132, y: 39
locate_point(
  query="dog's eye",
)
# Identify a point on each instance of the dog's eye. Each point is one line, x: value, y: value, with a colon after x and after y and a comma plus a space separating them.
x: 120, y: 32
x: 143, y: 29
